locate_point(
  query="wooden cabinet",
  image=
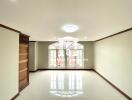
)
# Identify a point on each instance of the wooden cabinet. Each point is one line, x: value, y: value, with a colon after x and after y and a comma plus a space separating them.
x: 23, y: 61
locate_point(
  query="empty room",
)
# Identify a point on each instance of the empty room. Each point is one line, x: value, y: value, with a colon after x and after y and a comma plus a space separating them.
x: 65, y: 50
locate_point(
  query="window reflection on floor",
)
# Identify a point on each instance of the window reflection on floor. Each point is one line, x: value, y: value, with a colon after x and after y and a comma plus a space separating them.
x: 66, y: 84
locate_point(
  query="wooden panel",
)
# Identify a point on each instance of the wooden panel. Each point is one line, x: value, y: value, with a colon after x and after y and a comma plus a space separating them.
x: 23, y: 83
x: 23, y: 61
x: 22, y: 57
x: 23, y: 74
x: 23, y: 66
x: 24, y: 39
x: 23, y: 45
x: 23, y: 49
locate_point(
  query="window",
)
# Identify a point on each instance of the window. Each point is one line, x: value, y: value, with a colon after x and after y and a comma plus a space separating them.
x: 66, y: 58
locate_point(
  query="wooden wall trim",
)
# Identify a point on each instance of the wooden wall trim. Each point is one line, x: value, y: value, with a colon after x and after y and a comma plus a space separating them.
x: 124, y: 31
x: 114, y: 86
x: 12, y: 29
x: 13, y: 98
x: 62, y: 70
x: 9, y: 28
x: 32, y: 41
x: 24, y: 35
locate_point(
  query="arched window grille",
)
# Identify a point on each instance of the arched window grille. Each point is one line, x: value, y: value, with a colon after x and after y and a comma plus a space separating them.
x: 66, y: 55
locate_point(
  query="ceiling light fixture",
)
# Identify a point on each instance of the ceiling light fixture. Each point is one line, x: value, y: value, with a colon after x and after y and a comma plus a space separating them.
x: 70, y: 28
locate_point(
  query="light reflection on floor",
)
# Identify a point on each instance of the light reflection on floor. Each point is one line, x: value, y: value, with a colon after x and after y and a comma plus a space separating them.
x: 66, y: 85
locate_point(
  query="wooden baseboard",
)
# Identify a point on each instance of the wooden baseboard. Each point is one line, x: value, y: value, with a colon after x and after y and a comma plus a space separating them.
x: 63, y: 70
x: 13, y: 98
x: 114, y: 86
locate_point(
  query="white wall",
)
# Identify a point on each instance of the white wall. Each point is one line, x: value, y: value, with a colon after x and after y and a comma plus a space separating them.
x: 43, y: 54
x: 113, y: 59
x: 88, y: 54
x: 33, y: 56
x: 9, y: 60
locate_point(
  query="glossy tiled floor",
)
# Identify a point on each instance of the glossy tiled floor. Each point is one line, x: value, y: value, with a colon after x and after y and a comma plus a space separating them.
x: 68, y: 85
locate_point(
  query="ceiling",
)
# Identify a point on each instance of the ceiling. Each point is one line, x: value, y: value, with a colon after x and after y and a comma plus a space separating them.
x: 43, y: 19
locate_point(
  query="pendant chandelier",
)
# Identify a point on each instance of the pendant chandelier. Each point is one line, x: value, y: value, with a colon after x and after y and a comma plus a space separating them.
x: 68, y: 43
